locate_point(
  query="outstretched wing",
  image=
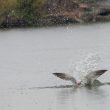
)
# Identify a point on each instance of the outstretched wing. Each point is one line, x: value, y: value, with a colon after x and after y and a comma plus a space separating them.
x: 93, y: 76
x: 65, y: 76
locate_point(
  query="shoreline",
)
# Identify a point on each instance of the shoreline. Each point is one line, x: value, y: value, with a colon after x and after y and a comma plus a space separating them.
x: 80, y: 13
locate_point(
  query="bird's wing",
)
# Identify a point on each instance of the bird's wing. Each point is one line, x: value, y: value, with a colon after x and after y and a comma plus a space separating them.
x: 90, y: 77
x: 65, y: 76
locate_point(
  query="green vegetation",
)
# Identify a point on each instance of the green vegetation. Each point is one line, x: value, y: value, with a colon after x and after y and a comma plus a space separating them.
x: 22, y: 13
x: 30, y: 10
x: 27, y: 10
x: 24, y: 10
x: 5, y: 7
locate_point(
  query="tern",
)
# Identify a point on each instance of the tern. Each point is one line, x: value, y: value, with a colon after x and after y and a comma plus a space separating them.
x: 89, y: 80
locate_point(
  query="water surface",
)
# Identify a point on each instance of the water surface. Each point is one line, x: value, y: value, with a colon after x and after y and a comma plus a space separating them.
x: 29, y: 56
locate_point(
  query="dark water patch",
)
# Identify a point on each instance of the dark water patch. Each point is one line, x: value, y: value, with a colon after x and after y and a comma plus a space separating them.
x: 53, y: 87
x: 69, y: 86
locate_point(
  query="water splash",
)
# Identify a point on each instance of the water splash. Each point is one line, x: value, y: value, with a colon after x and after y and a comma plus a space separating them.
x: 87, y: 64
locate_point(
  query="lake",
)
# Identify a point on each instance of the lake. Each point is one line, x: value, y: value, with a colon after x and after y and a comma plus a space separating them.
x: 28, y: 57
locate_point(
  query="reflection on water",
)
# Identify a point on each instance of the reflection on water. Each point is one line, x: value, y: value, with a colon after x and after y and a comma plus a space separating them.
x: 53, y: 87
x: 28, y: 57
x: 74, y: 99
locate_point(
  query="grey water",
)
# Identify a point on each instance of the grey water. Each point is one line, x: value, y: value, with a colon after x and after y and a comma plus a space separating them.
x: 28, y: 57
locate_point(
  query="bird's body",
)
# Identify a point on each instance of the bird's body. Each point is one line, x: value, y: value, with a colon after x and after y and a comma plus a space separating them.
x: 89, y: 80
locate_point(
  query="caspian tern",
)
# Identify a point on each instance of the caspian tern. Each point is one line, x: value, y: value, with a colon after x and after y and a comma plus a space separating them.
x: 89, y: 80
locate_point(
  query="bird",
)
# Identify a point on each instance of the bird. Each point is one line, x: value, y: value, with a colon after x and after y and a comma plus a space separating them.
x: 89, y: 80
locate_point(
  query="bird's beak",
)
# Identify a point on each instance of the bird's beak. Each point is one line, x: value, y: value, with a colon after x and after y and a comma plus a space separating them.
x: 78, y: 83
